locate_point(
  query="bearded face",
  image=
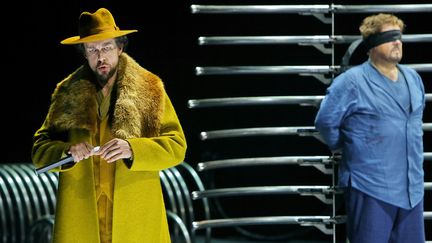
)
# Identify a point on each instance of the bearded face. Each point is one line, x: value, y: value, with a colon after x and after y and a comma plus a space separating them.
x: 103, y: 57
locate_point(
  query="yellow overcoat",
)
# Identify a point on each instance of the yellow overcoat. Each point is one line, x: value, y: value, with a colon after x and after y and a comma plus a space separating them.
x: 145, y: 117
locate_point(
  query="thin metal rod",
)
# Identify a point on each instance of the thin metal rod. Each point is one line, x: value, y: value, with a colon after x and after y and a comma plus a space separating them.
x: 300, y: 40
x: 314, y: 100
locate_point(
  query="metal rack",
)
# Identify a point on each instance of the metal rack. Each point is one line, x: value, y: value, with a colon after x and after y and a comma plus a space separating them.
x: 326, y: 45
x: 27, y: 203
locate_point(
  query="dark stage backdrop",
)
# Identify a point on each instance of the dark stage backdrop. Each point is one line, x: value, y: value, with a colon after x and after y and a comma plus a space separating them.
x: 166, y: 43
x: 35, y: 60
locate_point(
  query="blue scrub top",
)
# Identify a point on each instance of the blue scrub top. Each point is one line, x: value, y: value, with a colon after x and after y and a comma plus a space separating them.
x: 381, y: 140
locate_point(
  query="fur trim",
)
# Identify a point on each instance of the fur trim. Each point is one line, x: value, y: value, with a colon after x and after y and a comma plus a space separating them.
x: 137, y: 111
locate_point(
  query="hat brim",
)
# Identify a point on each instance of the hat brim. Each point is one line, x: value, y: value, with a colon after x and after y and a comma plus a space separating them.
x: 97, y: 37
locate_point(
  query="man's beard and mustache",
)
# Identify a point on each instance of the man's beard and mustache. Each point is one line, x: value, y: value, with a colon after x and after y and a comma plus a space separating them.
x: 396, y: 54
x: 102, y: 79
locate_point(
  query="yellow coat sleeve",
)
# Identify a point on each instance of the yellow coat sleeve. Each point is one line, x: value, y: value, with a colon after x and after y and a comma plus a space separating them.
x: 161, y: 152
x: 47, y: 149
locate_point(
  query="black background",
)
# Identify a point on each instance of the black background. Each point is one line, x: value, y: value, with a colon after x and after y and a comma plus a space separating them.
x: 166, y: 44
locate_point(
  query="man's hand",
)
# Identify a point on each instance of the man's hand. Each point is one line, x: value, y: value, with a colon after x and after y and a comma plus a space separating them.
x: 114, y: 150
x: 81, y: 151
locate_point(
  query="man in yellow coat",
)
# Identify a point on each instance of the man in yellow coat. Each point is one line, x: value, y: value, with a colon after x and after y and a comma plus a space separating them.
x: 112, y: 194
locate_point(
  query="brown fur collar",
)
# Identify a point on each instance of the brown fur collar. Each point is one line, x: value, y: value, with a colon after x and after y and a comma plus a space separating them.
x: 137, y: 110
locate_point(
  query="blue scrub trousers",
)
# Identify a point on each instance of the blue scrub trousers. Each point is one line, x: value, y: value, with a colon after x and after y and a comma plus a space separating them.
x: 373, y: 221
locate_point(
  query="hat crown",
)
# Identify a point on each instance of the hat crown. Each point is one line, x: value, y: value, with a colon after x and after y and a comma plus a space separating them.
x: 96, y: 26
x: 99, y: 22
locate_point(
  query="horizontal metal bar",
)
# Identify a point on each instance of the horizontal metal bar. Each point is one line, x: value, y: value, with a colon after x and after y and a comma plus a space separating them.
x: 310, y: 69
x: 257, y: 161
x: 421, y: 67
x: 417, y: 38
x: 258, y: 131
x: 309, y: 9
x: 261, y: 221
x: 428, y: 156
x: 253, y: 40
x: 264, y: 190
x: 427, y: 127
x: 318, y: 191
x: 258, y: 9
x: 406, y: 38
x: 319, y: 222
x: 277, y: 220
x: 398, y: 8
x: 302, y: 70
x: 271, y: 131
x: 311, y: 100
x: 278, y: 160
x: 300, y: 40
x: 263, y: 100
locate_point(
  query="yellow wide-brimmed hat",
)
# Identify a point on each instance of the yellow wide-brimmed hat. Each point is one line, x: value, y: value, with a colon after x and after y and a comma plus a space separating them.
x: 96, y: 26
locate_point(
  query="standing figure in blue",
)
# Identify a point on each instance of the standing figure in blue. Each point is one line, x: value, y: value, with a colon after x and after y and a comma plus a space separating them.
x: 373, y: 113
